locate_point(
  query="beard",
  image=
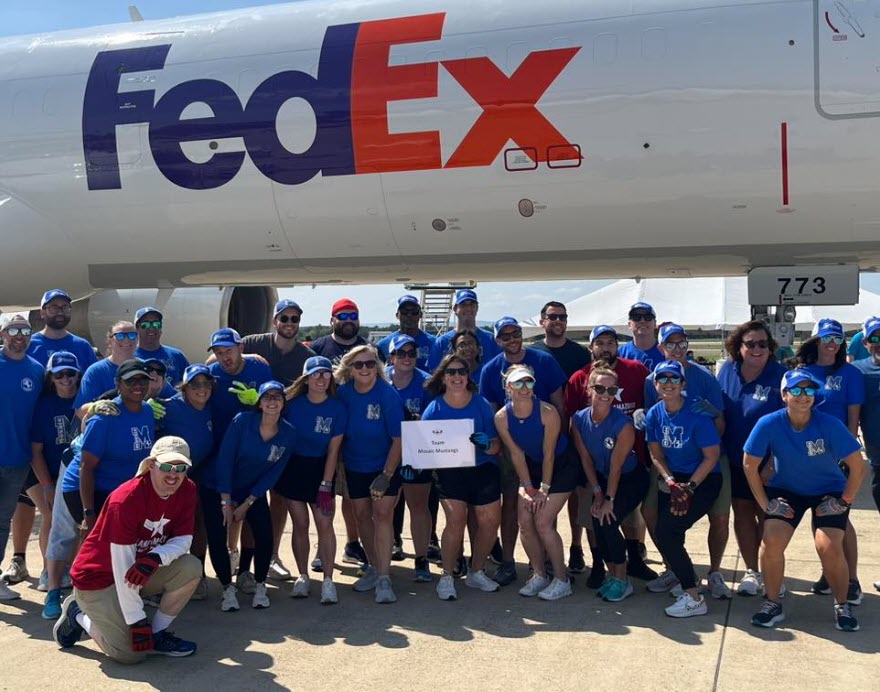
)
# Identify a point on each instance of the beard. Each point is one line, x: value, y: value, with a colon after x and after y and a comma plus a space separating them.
x: 607, y: 357
x: 58, y: 321
x: 346, y: 330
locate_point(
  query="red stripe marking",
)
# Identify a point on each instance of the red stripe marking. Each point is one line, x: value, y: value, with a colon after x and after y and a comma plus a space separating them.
x: 784, y: 141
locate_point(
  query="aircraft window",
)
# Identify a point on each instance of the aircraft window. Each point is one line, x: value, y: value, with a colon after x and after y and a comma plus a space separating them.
x: 605, y: 49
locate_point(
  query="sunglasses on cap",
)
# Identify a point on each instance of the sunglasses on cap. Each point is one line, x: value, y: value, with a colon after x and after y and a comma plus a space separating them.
x: 763, y: 343
x: 668, y: 379
x: 835, y: 339
x: 347, y: 316
x: 22, y: 331
x: 873, y: 339
x: 519, y: 384
x: 64, y: 374
x: 165, y: 467
x: 556, y: 318
x: 152, y: 324
x: 284, y: 319
x: 802, y: 391
x: 602, y: 389
x: 507, y: 336
x: 361, y: 364
x: 122, y: 336
x: 407, y: 353
x: 641, y: 316
x: 452, y: 372
x: 676, y: 345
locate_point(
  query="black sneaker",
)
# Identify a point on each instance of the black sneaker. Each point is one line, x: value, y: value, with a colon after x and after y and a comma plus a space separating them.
x: 576, y: 564
x: 166, y: 644
x: 434, y: 555
x: 597, y: 576
x: 354, y: 554
x: 506, y: 573
x: 821, y: 587
x: 67, y: 631
x: 496, y: 556
x: 854, y: 593
x: 640, y: 570
x: 769, y: 614
x: 844, y: 620
x: 461, y: 568
x: 397, y: 552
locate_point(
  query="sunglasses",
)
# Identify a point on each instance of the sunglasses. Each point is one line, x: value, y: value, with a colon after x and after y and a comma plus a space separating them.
x: 873, y: 339
x: 641, y: 317
x: 829, y: 339
x: 361, y: 364
x: 410, y: 313
x: 321, y: 373
x: 204, y: 384
x: 802, y: 391
x: 272, y: 397
x: 519, y: 384
x: 154, y: 324
x: 763, y: 343
x: 137, y: 380
x: 668, y: 379
x: 155, y: 370
x: 16, y: 331
x: 452, y: 372
x: 507, y: 336
x: 122, y: 336
x: 600, y: 389
x: 556, y: 318
x: 350, y: 316
x: 676, y: 345
x: 409, y: 353
x: 168, y: 468
x: 284, y: 319
x: 64, y: 374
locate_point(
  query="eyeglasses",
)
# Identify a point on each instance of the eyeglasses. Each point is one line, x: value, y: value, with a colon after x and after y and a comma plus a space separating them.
x: 409, y: 353
x: 122, y: 336
x: 556, y: 318
x: 57, y: 309
x: 829, y: 339
x: 347, y: 316
x: 452, y: 372
x: 361, y: 364
x: 873, y: 339
x: 16, y: 331
x: 507, y: 336
x: 600, y: 389
x: 154, y: 324
x: 168, y: 468
x: 519, y: 384
x: 136, y: 380
x: 321, y: 373
x: 666, y: 379
x: 802, y: 391
x: 64, y: 374
x: 676, y: 345
x: 641, y: 317
x: 763, y: 343
x: 204, y: 384
x: 284, y: 319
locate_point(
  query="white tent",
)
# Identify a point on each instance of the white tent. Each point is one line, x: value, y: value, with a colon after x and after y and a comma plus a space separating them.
x: 706, y: 303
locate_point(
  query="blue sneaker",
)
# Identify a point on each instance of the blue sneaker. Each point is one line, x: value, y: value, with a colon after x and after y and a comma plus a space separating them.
x: 617, y: 591
x: 67, y: 631
x: 605, y: 586
x: 52, y: 605
x: 423, y: 570
x: 167, y: 644
x: 505, y: 574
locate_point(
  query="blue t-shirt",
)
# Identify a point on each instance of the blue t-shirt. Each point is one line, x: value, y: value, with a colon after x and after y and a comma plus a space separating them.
x: 196, y: 427
x: 316, y: 424
x: 805, y: 461
x: 42, y: 347
x: 424, y: 342
x: 414, y: 396
x: 746, y: 402
x: 683, y: 436
x: 21, y: 382
x: 843, y: 387
x: 373, y: 420
x: 246, y: 464
x: 120, y: 442
x: 478, y: 410
x: 173, y: 358
x: 648, y: 358
x: 54, y: 426
x: 98, y: 379
x: 224, y: 404
x: 488, y: 348
x: 600, y: 438
x: 548, y: 376
x: 870, y: 415
x: 699, y: 384
x: 857, y: 348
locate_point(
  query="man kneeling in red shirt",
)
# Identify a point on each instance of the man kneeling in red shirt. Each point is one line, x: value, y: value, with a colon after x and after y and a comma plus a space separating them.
x: 139, y: 547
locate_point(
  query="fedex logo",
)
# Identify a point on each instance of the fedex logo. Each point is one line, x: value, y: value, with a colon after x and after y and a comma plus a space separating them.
x: 349, y: 96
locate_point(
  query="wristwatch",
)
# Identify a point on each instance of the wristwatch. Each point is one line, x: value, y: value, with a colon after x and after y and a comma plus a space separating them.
x: 89, y: 512
x: 609, y: 498
x: 691, y: 486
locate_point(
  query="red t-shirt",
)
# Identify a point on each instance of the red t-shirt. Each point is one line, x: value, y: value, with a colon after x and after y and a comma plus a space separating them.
x: 133, y: 515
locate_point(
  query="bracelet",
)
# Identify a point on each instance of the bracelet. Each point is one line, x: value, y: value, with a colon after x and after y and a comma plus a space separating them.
x: 526, y: 484
x: 326, y: 485
x: 545, y: 488
x: 597, y: 489
x: 669, y: 479
x: 88, y: 512
x: 225, y: 503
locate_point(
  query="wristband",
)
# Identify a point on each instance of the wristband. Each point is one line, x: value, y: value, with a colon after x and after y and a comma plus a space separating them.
x: 89, y: 512
x: 545, y: 488
x: 597, y: 489
x: 327, y: 485
x: 225, y: 503
x: 526, y: 484
x: 669, y: 479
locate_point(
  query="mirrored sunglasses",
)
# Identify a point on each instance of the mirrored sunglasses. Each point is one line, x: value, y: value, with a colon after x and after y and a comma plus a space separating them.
x: 122, y: 336
x: 165, y: 467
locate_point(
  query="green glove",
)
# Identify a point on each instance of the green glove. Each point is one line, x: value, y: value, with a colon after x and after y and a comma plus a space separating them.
x: 246, y: 395
x: 158, y: 408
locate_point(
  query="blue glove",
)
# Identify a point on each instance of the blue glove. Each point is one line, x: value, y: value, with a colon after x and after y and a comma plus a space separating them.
x: 480, y: 440
x: 639, y: 419
x: 704, y: 408
x: 246, y: 395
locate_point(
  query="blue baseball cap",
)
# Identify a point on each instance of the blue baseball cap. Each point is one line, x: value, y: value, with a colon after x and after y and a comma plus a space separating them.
x: 828, y: 327
x: 399, y: 341
x: 464, y: 294
x: 283, y: 305
x: 140, y: 314
x: 794, y: 377
x: 403, y: 300
x: 193, y: 371
x: 642, y: 306
x: 62, y: 360
x: 224, y: 337
x: 317, y: 364
x: 601, y: 329
x: 53, y: 293
x: 668, y: 367
x: 157, y: 363
x: 668, y: 330
x: 506, y: 321
x: 271, y: 385
x: 872, y: 324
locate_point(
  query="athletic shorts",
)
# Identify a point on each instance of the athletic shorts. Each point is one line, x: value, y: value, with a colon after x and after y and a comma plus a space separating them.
x: 301, y: 478
x: 30, y: 482
x: 507, y: 473
x: 720, y: 506
x: 476, y: 485
x: 801, y: 503
x: 565, y: 472
x: 412, y: 476
x: 74, y: 503
x: 359, y: 484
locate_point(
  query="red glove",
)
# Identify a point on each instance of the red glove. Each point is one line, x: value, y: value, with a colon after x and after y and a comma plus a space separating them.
x: 325, y: 501
x: 680, y: 499
x: 141, y: 636
x: 142, y: 569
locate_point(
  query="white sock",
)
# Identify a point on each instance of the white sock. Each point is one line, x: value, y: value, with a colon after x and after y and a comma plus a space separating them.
x: 85, y: 622
x: 161, y: 621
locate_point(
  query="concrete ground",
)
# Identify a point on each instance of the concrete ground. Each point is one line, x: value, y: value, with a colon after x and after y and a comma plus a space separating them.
x: 483, y: 641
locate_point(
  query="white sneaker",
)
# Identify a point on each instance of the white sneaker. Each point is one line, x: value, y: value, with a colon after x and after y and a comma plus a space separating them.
x: 557, y: 589
x: 663, y: 583
x: 446, y: 588
x: 384, y: 591
x: 7, y: 594
x: 278, y: 571
x: 718, y: 588
x: 201, y: 592
x: 229, y: 604
x: 43, y: 584
x: 752, y: 584
x: 246, y: 583
x: 317, y: 564
x: 535, y: 585
x: 368, y: 581
x: 261, y: 598
x: 16, y: 572
x: 300, y: 588
x: 328, y: 592
x: 479, y: 580
x: 234, y: 558
x: 686, y: 606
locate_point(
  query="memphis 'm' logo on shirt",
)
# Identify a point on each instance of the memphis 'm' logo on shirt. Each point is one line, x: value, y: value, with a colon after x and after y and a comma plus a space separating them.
x: 834, y: 383
x: 762, y: 393
x: 374, y: 411
x: 141, y: 439
x: 815, y: 447
x: 65, y: 430
x: 323, y: 426
x: 275, y: 453
x: 673, y: 437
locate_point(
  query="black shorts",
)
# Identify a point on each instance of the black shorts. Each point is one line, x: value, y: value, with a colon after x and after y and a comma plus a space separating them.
x: 801, y: 503
x: 413, y: 476
x: 301, y: 478
x: 30, y: 482
x: 739, y: 484
x: 477, y: 485
x: 565, y: 472
x: 74, y: 503
x: 359, y: 484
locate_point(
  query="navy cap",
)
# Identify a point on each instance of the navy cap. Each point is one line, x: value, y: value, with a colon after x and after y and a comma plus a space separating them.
x: 131, y: 368
x: 828, y: 327
x: 285, y: 304
x: 642, y: 306
x: 62, y: 360
x: 224, y: 337
x: 156, y: 363
x: 271, y: 385
x: 146, y: 311
x: 794, y: 377
x: 872, y: 324
x: 601, y: 329
x: 317, y: 364
x: 403, y: 300
x: 53, y: 293
x: 464, y: 294
x: 193, y: 371
x: 506, y: 321
x: 668, y: 367
x: 668, y: 330
x: 399, y: 341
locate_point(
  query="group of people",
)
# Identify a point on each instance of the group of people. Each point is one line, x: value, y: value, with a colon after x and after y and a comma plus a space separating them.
x: 143, y: 466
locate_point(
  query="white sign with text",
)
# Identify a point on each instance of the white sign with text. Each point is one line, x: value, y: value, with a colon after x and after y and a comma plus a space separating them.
x: 438, y: 444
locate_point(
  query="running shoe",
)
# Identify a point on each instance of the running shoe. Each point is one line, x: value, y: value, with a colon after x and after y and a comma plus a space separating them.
x: 166, y: 644
x: 434, y: 554
x: 229, y: 604
x: 278, y: 571
x: 854, y: 593
x: 246, y: 583
x: 423, y: 570
x: 328, y: 592
x: 368, y: 581
x: 843, y: 618
x: 821, y: 587
x: 663, y: 583
x: 446, y: 588
x: 52, y: 605
x: 317, y: 564
x: 384, y: 591
x: 354, y: 554
x: 752, y: 584
x: 16, y: 572
x: 201, y: 592
x: 618, y: 590
x: 576, y: 564
x: 461, y: 568
x: 260, y: 600
x: 67, y: 631
x: 769, y: 614
x: 478, y: 580
x: 43, y: 583
x: 600, y: 592
x: 717, y: 587
x: 505, y: 574
x: 556, y: 590
x: 7, y: 594
x: 687, y: 606
x: 497, y: 555
x: 397, y: 552
x: 300, y: 588
x: 535, y: 585
x: 639, y: 570
x: 597, y: 576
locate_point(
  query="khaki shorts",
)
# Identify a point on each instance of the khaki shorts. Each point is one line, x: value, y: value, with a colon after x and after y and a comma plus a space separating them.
x: 103, y: 609
x: 720, y: 507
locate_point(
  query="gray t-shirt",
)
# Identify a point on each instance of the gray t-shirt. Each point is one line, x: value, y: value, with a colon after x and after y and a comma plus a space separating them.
x: 286, y: 367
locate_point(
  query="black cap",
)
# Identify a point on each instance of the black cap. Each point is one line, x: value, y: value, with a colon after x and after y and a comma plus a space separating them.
x: 131, y: 368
